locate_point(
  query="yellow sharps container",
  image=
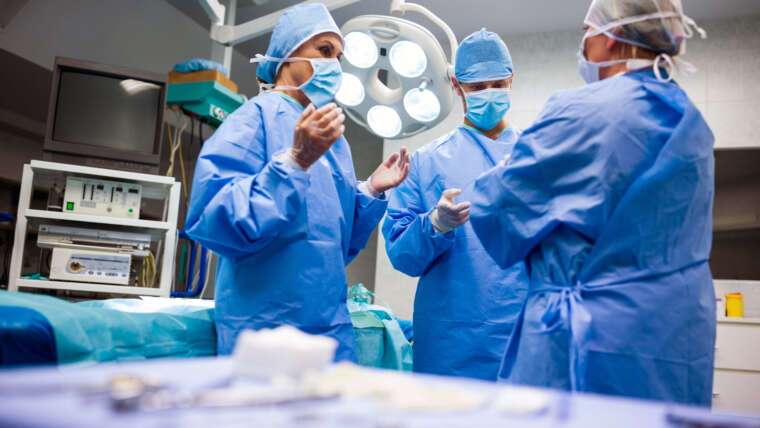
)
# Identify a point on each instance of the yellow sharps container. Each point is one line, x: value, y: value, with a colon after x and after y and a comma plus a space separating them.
x: 734, y: 305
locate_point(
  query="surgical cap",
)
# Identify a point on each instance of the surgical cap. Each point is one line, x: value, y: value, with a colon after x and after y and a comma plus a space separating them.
x: 296, y: 25
x: 482, y: 56
x: 657, y: 25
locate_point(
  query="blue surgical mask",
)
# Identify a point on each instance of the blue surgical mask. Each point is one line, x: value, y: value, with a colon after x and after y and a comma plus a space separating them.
x: 589, y: 71
x: 486, y: 108
x: 323, y: 84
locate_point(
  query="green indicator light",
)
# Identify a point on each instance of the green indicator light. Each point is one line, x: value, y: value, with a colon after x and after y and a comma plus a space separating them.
x: 69, y: 206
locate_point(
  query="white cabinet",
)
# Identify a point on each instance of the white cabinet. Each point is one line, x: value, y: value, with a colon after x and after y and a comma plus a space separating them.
x: 736, y: 385
x: 737, y: 346
x: 736, y: 391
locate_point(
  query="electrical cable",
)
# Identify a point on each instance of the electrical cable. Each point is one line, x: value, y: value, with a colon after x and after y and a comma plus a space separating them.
x: 192, y: 130
x: 148, y: 271
x: 175, y: 141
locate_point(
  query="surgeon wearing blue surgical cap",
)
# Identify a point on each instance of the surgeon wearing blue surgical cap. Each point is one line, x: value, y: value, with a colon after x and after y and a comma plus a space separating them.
x: 608, y: 199
x: 466, y: 305
x: 275, y: 195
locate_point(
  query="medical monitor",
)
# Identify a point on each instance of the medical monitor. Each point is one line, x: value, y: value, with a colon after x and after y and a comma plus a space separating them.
x: 105, y: 116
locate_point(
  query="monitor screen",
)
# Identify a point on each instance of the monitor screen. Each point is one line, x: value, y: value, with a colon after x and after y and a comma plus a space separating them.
x: 105, y: 111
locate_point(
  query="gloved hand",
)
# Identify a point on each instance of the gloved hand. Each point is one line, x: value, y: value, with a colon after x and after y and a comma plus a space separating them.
x: 391, y: 172
x: 448, y: 215
x: 316, y: 131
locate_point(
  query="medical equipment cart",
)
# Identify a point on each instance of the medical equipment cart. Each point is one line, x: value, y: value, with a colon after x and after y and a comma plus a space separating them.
x: 158, y: 189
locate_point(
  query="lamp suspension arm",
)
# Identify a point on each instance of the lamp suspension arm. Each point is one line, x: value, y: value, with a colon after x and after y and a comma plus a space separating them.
x: 215, y: 11
x: 399, y: 7
x: 230, y: 35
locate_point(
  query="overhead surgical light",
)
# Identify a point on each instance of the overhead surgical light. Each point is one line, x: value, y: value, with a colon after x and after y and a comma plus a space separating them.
x: 408, y: 59
x: 351, y: 91
x: 360, y: 49
x: 396, y: 79
x: 384, y: 121
x: 422, y: 105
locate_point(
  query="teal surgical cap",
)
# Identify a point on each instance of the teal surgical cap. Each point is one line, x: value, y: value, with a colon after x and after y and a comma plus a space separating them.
x: 482, y: 56
x: 295, y: 26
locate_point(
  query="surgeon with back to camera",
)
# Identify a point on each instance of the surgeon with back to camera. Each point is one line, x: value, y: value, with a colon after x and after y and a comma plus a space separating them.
x: 275, y: 195
x: 466, y: 305
x: 608, y: 199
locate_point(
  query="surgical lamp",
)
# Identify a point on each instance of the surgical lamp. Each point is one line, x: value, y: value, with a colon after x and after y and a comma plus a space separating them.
x: 395, y: 72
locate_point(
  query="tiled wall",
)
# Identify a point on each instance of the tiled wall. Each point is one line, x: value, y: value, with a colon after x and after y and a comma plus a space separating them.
x: 726, y: 88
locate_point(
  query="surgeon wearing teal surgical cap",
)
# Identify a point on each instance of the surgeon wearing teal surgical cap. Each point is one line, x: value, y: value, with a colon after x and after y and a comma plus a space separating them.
x: 275, y: 195
x: 466, y: 305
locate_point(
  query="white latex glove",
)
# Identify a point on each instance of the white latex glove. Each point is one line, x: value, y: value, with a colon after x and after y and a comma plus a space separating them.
x: 449, y: 215
x: 316, y: 131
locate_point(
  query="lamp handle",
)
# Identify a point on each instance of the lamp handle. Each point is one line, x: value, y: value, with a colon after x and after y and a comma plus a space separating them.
x: 399, y: 7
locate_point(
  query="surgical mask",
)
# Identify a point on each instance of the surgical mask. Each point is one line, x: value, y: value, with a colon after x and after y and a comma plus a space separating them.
x: 486, y: 108
x: 323, y: 84
x: 589, y: 71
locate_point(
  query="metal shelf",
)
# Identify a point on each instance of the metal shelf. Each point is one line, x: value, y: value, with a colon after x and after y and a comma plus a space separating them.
x: 730, y: 224
x: 166, y: 188
x: 733, y: 320
x: 87, y: 286
x: 736, y: 227
x: 100, y: 172
x: 116, y: 221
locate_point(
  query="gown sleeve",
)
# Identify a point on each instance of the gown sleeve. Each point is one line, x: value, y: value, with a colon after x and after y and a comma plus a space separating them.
x: 555, y: 176
x: 411, y: 241
x: 241, y: 201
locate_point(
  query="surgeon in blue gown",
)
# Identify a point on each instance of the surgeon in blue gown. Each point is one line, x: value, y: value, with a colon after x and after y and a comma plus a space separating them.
x: 466, y: 305
x: 608, y: 199
x: 275, y: 195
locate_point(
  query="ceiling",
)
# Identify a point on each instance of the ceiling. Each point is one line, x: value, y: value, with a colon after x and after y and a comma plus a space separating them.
x: 506, y: 17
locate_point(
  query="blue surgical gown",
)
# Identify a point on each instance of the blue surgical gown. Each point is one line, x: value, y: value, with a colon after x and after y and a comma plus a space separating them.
x: 283, y: 236
x: 466, y: 305
x: 608, y: 199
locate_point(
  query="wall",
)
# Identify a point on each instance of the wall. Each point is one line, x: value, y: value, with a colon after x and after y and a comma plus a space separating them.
x: 726, y: 89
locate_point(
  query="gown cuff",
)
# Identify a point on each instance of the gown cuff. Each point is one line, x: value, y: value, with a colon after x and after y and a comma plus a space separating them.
x: 286, y: 158
x: 368, y: 190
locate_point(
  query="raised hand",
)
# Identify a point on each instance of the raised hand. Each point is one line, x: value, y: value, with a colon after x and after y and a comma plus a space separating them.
x: 316, y: 131
x: 391, y: 172
x: 449, y: 215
